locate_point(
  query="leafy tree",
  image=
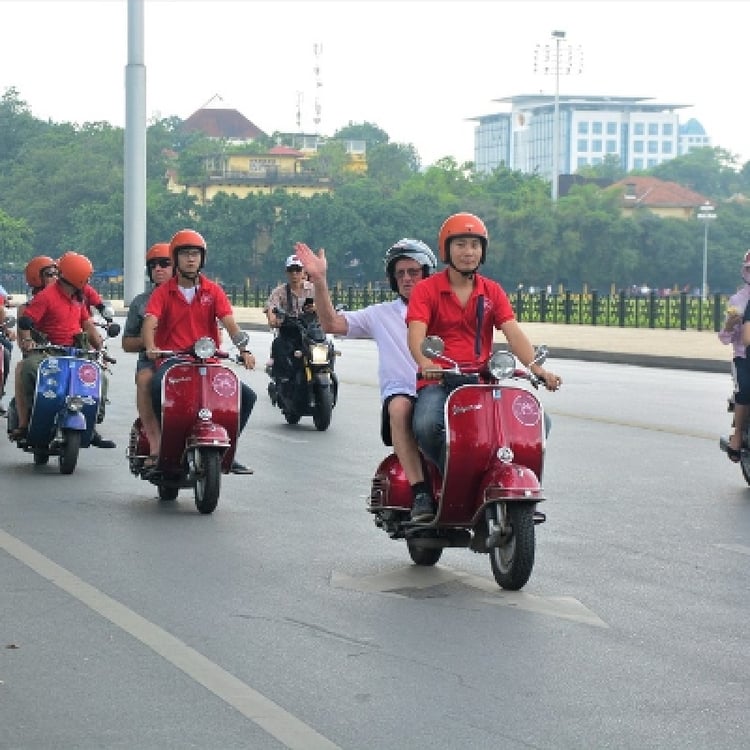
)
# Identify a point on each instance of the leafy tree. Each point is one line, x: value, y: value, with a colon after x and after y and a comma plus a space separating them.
x: 16, y: 242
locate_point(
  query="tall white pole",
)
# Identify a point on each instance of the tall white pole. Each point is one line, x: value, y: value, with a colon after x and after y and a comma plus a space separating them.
x: 134, y: 229
x: 558, y: 35
x: 705, y: 214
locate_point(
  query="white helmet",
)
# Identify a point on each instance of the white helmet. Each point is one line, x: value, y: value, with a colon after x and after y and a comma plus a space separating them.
x: 293, y: 260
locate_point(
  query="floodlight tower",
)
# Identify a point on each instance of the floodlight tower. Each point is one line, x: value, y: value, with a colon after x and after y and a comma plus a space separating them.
x: 558, y: 59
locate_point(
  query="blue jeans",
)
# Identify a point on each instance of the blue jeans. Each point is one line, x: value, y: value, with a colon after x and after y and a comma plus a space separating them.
x: 428, y: 423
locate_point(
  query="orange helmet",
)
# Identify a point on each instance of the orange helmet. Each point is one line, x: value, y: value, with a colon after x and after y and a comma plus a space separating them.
x: 461, y: 225
x: 74, y: 268
x: 187, y: 238
x: 159, y: 250
x: 34, y: 270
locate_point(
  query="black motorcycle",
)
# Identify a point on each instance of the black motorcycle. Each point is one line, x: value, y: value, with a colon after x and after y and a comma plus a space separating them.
x: 303, y: 384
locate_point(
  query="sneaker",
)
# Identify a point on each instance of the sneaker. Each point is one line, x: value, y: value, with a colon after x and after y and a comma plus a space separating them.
x: 423, y: 509
x: 99, y: 442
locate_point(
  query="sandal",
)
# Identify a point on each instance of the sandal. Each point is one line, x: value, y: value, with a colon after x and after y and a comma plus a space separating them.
x: 734, y: 454
x: 18, y: 433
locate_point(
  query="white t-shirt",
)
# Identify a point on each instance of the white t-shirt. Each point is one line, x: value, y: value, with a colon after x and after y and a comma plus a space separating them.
x: 385, y: 322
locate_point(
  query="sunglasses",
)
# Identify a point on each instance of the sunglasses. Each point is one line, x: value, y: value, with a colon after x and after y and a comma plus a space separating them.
x: 294, y: 269
x: 50, y: 274
x: 412, y: 273
x: 161, y: 262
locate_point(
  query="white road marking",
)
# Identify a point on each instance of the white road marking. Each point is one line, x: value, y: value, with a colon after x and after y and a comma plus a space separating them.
x: 395, y: 582
x: 743, y: 549
x: 282, y: 725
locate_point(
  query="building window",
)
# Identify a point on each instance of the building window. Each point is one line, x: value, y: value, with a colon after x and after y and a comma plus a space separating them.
x: 653, y: 128
x: 596, y: 128
x: 639, y: 129
x: 611, y: 128
x: 596, y: 145
x: 637, y: 163
x: 653, y: 147
x: 582, y: 161
x: 583, y: 128
x: 582, y: 144
x: 667, y: 129
x: 666, y: 147
x: 611, y: 147
x: 652, y: 163
x: 638, y: 147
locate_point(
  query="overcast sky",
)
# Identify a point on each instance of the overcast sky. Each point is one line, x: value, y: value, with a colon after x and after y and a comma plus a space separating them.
x: 417, y: 69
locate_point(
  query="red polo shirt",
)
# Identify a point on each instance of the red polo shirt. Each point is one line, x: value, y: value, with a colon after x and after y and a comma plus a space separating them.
x: 433, y: 302
x: 182, y: 323
x: 91, y: 297
x: 56, y: 314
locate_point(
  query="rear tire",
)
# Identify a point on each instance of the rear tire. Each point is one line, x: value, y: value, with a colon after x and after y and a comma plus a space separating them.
x: 424, y: 555
x: 168, y: 493
x: 745, y: 454
x: 68, y: 458
x: 513, y: 560
x: 41, y: 458
x: 208, y: 483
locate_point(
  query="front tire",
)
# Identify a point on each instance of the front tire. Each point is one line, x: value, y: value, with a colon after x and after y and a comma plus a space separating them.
x: 323, y: 408
x: 424, y: 555
x: 513, y: 559
x: 208, y: 483
x: 68, y: 457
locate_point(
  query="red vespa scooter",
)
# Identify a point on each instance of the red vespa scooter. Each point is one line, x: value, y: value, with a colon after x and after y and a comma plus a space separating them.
x: 495, y: 439
x: 200, y: 413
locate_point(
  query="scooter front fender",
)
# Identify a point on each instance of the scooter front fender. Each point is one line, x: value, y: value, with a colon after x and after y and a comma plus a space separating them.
x: 73, y: 420
x: 207, y: 434
x: 508, y: 482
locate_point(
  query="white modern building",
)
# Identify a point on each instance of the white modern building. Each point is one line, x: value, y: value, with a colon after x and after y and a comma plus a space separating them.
x: 641, y: 133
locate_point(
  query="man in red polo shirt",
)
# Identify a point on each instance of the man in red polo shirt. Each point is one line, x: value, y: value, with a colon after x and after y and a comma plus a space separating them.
x: 58, y: 312
x: 464, y: 309
x: 184, y: 309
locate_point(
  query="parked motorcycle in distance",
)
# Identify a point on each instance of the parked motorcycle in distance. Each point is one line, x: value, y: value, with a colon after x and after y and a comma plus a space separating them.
x: 66, y: 401
x: 312, y: 389
x: 200, y: 414
x: 488, y: 499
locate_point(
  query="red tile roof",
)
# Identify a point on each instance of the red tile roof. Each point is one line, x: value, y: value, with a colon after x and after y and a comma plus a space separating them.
x: 653, y: 193
x: 222, y: 123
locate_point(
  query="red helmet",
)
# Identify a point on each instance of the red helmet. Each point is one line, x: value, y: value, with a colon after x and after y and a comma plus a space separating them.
x: 34, y: 270
x: 461, y: 225
x: 76, y: 269
x: 187, y: 238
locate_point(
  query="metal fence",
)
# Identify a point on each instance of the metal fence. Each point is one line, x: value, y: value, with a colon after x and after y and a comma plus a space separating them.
x: 625, y: 309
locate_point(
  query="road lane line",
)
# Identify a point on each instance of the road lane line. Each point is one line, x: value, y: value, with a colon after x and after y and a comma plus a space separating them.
x: 277, y: 722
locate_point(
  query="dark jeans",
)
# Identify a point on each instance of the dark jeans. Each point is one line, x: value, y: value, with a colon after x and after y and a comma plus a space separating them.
x: 247, y: 395
x: 7, y: 346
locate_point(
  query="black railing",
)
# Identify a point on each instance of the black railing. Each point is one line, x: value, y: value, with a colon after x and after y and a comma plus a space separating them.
x: 680, y: 311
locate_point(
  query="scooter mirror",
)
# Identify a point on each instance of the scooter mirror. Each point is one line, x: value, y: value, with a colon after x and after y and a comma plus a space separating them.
x: 109, y: 312
x: 113, y: 329
x: 541, y: 353
x: 433, y: 346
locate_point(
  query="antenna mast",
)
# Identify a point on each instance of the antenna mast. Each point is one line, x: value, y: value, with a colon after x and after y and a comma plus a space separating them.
x: 317, y: 51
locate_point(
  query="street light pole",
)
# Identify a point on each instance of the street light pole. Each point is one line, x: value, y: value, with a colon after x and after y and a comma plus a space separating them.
x: 706, y: 214
x: 557, y: 36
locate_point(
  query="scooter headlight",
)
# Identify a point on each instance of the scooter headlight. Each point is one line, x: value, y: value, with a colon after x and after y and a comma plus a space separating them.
x: 319, y: 354
x: 205, y: 348
x: 502, y: 364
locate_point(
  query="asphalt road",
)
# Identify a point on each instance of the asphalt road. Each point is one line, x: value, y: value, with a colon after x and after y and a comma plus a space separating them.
x: 287, y: 619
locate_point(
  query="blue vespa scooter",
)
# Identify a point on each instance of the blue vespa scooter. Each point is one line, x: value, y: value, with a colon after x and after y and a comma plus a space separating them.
x: 66, y: 403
